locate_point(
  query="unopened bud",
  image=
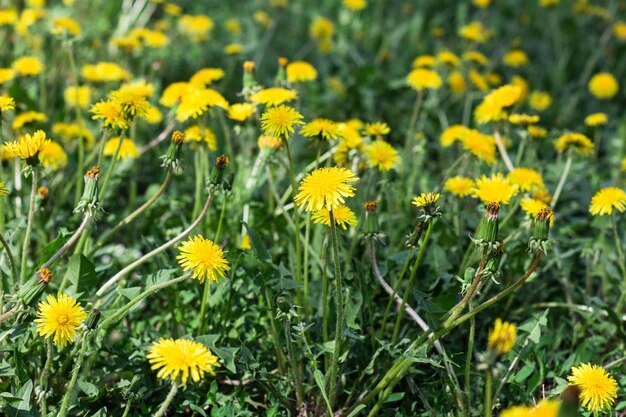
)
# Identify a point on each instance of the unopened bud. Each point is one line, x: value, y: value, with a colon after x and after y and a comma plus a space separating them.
x: 89, y: 200
x: 92, y: 320
x: 171, y: 159
x: 43, y: 192
x: 487, y: 231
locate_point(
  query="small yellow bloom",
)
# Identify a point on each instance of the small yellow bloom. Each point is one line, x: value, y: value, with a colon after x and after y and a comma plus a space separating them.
x: 355, y: 5
x: 52, y: 156
x: 607, y: 199
x: 377, y: 129
x: 233, y: 49
x: 425, y: 199
x: 27, y: 117
x: 111, y: 114
x: 61, y: 25
x: 6, y: 74
x: 453, y: 134
x: 598, y: 389
x: 537, y: 132
x: 325, y: 188
x: 279, y: 121
x: 459, y: 186
x: 540, y: 100
x: 476, y: 57
x: 526, y: 179
x: 577, y: 142
x: 178, y: 359
x: 196, y: 133
x: 27, y: 147
x: 493, y: 106
x: 269, y: 142
x: 320, y: 128
x: 241, y: 112
x: 424, y: 61
x: 480, y: 145
x: 78, y: 96
x: 421, y: 79
x: 206, y: 76
x: 273, y: 96
x: 246, y: 242
x: 198, y: 101
x: 495, y: 189
x: 382, y: 155
x: 515, y: 59
x: 104, y: 72
x: 502, y: 337
x: 343, y: 216
x: 204, y: 258
x: 59, y: 317
x: 620, y: 30
x: 475, y: 32
x: 196, y: 27
x: 603, y: 85
x: 300, y: 72
x: 6, y: 103
x: 27, y: 66
x: 523, y: 119
x: 128, y: 149
x: 456, y: 82
x: 596, y: 119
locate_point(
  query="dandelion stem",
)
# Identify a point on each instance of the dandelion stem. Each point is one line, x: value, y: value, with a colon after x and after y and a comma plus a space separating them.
x: 296, y: 215
x: 205, y: 297
x: 168, y: 400
x: 395, y: 290
x: 7, y: 248
x: 295, y: 369
x: 107, y: 176
x: 407, y: 290
x: 621, y: 260
x: 156, y: 251
x: 488, y: 386
x: 334, y: 366
x: 77, y: 365
x: 416, y: 110
x: 43, y: 378
x: 559, y: 187
x: 468, y: 361
x: 132, y: 216
x: 502, y: 149
x: 29, y: 226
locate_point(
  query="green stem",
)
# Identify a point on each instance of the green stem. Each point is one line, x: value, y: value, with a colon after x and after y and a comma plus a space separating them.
x: 168, y: 400
x: 132, y: 216
x: 29, y: 226
x: 395, y: 291
x: 107, y: 176
x: 7, y: 248
x: 412, y: 121
x: 274, y: 331
x: 488, y: 386
x: 297, y: 378
x: 119, y: 314
x: 622, y: 261
x: 205, y: 297
x: 407, y: 290
x: 296, y: 215
x: 219, y: 223
x: 334, y: 367
x: 559, y: 187
x: 43, y: 378
x: 75, y: 372
x: 468, y: 362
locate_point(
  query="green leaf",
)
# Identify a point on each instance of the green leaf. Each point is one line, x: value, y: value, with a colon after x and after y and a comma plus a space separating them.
x: 257, y: 243
x: 396, y: 396
x: 88, y: 388
x: 81, y: 273
x: 24, y: 407
x: 356, y: 411
x: 320, y: 380
x: 52, y: 247
x: 131, y: 292
x: 197, y: 409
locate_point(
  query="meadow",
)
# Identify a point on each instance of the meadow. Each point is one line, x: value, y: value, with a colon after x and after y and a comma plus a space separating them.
x: 312, y: 208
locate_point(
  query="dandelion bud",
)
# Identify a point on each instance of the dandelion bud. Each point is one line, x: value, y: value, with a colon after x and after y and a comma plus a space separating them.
x: 216, y: 177
x: 492, y: 265
x: 487, y: 232
x: 89, y: 200
x: 171, y: 159
x: 30, y: 292
x: 281, y: 75
x: 371, y: 227
x: 249, y: 81
x: 221, y: 162
x: 92, y: 320
x: 541, y: 230
x: 414, y: 237
x: 43, y: 192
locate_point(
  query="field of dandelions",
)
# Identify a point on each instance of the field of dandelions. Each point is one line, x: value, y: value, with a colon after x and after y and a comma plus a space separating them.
x: 304, y: 208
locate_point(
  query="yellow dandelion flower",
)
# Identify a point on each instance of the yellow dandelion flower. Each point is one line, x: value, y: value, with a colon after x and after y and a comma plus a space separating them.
x: 153, y: 115
x: 77, y: 96
x: 4, y: 191
x: 8, y: 16
x: 421, y: 79
x: 197, y: 27
x: 246, y: 242
x: 502, y: 337
x: 52, y: 155
x: 607, y: 199
x: 522, y: 84
x: 6, y: 103
x: 320, y: 128
x: 74, y: 131
x: 104, y: 72
x: 262, y: 18
x: 623, y: 165
x: 424, y: 61
x: 526, y: 179
x: 204, y: 258
x: 496, y: 189
x: 425, y: 199
x: 279, y: 121
x: 603, y: 85
x: 196, y: 133
x: 596, y: 119
x: 475, y: 32
x: 269, y: 142
x: 180, y: 358
x: 59, y: 317
x: 476, y: 57
x: 377, y: 129
x: 515, y: 59
x: 140, y: 88
x: 598, y: 389
x: 540, y: 100
x: 233, y: 49
x: 27, y: 147
x: 478, y: 80
x: 197, y: 101
x: 532, y: 206
x: 480, y: 145
x: 619, y: 30
x: 537, y: 132
x: 300, y: 72
x: 523, y: 119
x: 206, y: 76
x: 452, y: 134
x: 577, y: 142
x: 493, y: 106
x: 62, y: 25
x: 355, y: 5
x: 241, y: 112
x: 325, y: 188
x: 27, y: 66
x: 549, y: 3
x: 382, y: 155
x: 28, y: 117
x: 322, y: 30
x: 456, y: 82
x: 273, y: 96
x: 132, y: 103
x: 128, y: 149
x: 516, y: 411
x: 111, y: 114
x: 344, y: 217
x: 173, y: 9
x: 459, y: 186
x: 6, y: 74
x: 174, y: 93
